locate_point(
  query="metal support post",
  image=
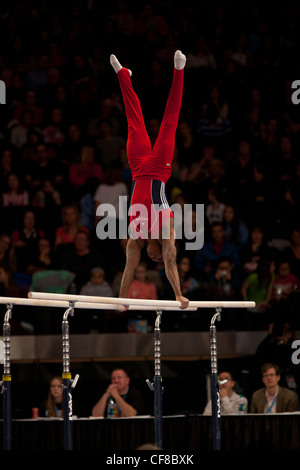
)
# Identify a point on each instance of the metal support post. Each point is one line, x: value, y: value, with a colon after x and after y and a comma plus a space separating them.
x: 214, y: 383
x: 6, y: 383
x: 68, y: 383
x: 156, y: 386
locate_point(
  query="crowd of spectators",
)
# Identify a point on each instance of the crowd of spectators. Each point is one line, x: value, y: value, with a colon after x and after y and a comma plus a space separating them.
x: 63, y: 144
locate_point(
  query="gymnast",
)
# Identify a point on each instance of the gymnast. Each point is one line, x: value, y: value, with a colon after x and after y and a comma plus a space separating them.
x: 151, y: 169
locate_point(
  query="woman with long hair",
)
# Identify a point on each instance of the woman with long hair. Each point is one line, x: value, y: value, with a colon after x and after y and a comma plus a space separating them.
x: 71, y: 224
x: 53, y: 406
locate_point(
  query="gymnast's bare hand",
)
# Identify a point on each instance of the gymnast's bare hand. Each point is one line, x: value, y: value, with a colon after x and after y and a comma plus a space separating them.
x: 183, y: 300
x: 122, y: 308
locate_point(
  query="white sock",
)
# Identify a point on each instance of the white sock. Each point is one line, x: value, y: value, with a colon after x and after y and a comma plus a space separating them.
x: 116, y: 64
x: 179, y: 60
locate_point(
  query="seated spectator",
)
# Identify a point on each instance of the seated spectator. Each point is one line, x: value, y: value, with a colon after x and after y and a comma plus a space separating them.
x: 118, y: 262
x: 47, y: 202
x: 60, y: 96
x: 215, y: 207
x: 71, y: 224
x: 231, y: 402
x: 287, y: 209
x: 285, y: 286
x: 72, y: 144
x: 201, y: 56
x: 80, y: 71
x: 212, y: 128
x: 81, y: 259
x: 8, y: 165
x: 37, y: 76
x: 97, y: 285
x: 7, y: 251
x: 188, y: 283
x: 141, y: 288
x: 53, y: 405
x: 240, y: 171
x: 31, y: 104
x: 109, y: 192
x: 25, y: 241
x: 285, y: 282
x: 273, y: 398
x: 217, y: 175
x: 104, y: 320
x: 54, y: 133
x: 292, y: 253
x: 286, y: 159
x: 216, y: 99
x: 189, y: 231
x: 45, y: 166
x: 47, y: 196
x: 255, y: 249
x: 187, y: 145
x: 85, y: 167
x: 108, y: 145
x: 240, y: 52
x: 150, y: 20
x: 236, y: 230
x: 258, y: 287
x: 126, y: 400
x: 16, y: 195
x: 86, y: 203
x: 28, y: 151
x: 277, y: 348
x: 206, y: 258
x: 19, y: 132
x: 224, y: 285
x: 44, y: 258
x: 109, y: 108
x: 260, y: 198
x: 180, y: 172
x: 199, y: 170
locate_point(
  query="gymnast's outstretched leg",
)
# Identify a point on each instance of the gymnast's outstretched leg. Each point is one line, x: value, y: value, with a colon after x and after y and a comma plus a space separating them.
x: 138, y: 142
x: 165, y: 144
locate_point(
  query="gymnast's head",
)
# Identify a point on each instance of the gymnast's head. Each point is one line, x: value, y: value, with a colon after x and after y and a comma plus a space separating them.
x: 154, y: 250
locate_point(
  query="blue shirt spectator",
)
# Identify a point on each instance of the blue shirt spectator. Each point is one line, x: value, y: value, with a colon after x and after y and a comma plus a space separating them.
x: 208, y: 256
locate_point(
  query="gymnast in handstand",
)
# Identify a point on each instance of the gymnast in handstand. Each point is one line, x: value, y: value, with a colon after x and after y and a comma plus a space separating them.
x: 151, y: 169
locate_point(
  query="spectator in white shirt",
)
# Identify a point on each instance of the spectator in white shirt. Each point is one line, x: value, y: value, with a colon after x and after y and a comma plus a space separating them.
x: 231, y: 402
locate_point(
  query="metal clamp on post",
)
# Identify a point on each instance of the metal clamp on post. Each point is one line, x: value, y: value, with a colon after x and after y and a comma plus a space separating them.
x: 214, y: 383
x: 6, y: 383
x: 68, y: 383
x: 156, y: 386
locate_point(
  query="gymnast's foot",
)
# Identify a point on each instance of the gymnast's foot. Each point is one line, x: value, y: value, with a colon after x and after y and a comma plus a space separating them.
x: 179, y: 60
x: 116, y: 64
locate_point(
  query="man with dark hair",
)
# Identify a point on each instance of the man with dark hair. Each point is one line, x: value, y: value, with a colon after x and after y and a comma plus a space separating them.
x: 272, y: 398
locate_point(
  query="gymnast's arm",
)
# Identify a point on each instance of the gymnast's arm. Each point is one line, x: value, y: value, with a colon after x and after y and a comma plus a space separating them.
x: 133, y: 256
x: 169, y: 255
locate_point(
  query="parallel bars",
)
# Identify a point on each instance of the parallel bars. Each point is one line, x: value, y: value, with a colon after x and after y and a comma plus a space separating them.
x: 70, y: 302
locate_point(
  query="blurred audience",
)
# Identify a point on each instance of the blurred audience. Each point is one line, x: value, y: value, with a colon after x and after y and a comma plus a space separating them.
x: 237, y: 144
